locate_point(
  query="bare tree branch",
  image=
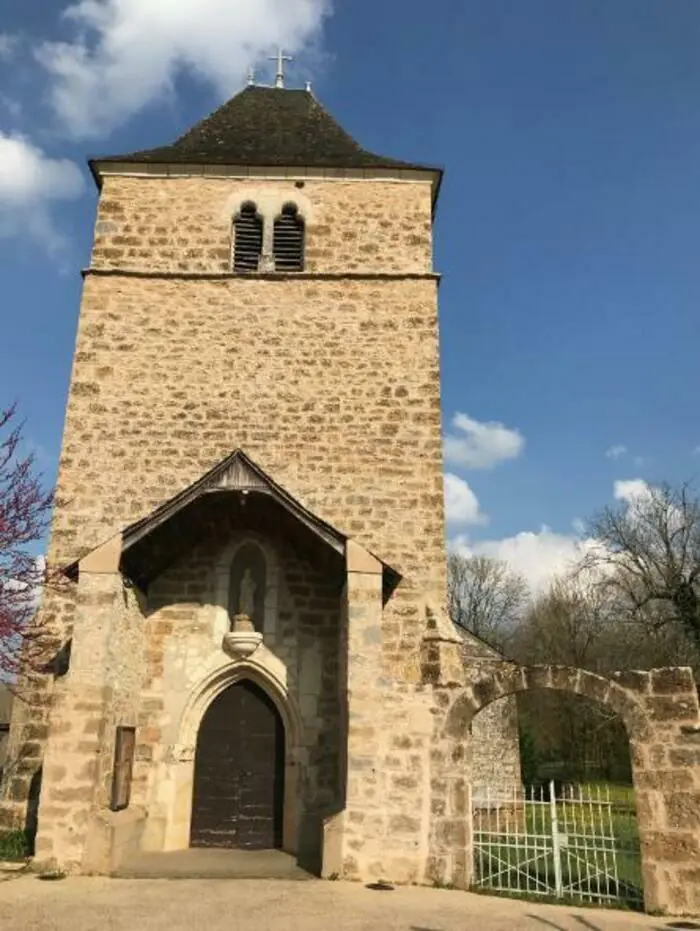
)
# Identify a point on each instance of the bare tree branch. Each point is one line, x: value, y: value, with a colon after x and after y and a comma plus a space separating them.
x: 485, y: 597
x: 650, y: 549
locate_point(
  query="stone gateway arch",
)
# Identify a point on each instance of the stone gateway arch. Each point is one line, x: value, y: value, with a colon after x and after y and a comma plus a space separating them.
x: 661, y: 715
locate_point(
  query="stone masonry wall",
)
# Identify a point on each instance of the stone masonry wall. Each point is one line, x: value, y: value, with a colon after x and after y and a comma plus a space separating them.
x: 333, y: 390
x: 101, y: 692
x: 495, y: 743
x: 184, y: 224
x: 496, y: 753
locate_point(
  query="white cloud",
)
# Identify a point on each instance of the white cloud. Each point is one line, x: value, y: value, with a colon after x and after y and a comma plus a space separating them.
x: 579, y: 526
x: 616, y: 452
x: 461, y: 504
x: 28, y: 175
x: 29, y: 182
x: 125, y: 54
x: 8, y: 46
x: 480, y: 445
x: 631, y: 490
x: 542, y: 556
x: 696, y: 451
x: 538, y: 557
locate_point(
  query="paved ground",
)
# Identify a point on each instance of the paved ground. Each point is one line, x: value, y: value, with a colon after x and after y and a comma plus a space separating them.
x: 82, y: 904
x: 214, y: 864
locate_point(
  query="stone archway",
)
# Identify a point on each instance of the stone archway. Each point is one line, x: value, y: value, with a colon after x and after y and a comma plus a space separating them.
x: 238, y: 791
x: 509, y: 679
x: 266, y: 672
x: 661, y: 714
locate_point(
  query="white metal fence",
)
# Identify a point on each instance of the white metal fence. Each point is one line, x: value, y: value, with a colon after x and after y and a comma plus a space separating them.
x: 573, y: 843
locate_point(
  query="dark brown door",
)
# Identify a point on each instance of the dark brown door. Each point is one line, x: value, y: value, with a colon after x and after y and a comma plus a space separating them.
x: 239, y: 772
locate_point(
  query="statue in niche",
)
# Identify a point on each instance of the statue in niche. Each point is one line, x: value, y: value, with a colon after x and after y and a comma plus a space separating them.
x: 246, y: 603
x: 247, y: 584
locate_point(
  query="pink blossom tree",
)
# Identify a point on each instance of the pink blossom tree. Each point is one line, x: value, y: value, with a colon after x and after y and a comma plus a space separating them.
x: 25, y: 506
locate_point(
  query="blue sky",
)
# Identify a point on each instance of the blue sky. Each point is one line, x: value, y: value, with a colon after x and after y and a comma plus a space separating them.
x: 567, y: 233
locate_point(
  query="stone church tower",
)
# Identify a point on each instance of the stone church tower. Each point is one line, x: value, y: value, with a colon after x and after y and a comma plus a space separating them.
x: 250, y: 507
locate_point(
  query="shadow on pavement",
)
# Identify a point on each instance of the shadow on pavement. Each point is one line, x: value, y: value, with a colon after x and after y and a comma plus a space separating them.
x: 592, y: 926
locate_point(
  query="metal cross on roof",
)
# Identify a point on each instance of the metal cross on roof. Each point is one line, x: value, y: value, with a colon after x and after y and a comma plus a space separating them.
x: 280, y: 58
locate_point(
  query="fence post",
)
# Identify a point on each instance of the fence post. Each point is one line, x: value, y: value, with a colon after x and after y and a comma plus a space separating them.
x: 556, y: 848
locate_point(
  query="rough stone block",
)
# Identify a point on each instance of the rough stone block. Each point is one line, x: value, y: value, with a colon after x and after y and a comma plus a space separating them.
x: 666, y: 781
x: 460, y: 716
x: 634, y: 680
x: 672, y: 681
x: 683, y: 811
x: 676, y: 847
x: 404, y: 824
x: 669, y: 708
x: 452, y: 834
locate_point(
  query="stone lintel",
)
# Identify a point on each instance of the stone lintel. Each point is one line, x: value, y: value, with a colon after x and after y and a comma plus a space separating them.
x: 359, y: 560
x: 105, y: 559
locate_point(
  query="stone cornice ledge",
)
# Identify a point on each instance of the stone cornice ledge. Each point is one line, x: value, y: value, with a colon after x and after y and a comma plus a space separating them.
x: 266, y: 276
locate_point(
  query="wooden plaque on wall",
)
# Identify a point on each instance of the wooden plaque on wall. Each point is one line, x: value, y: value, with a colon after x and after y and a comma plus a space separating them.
x: 123, y: 768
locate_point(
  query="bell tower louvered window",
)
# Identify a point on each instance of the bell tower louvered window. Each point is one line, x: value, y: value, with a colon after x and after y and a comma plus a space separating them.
x: 288, y: 243
x: 248, y: 239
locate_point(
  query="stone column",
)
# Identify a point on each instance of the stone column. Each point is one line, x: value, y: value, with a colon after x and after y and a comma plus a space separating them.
x: 353, y: 839
x: 71, y: 772
x: 450, y: 840
x: 666, y: 766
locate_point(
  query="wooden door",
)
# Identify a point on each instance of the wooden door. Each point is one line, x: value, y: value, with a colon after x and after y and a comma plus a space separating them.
x: 239, y: 772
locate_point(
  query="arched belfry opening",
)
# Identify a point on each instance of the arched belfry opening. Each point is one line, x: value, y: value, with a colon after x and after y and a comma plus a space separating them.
x: 288, y: 240
x: 239, y: 770
x: 247, y: 239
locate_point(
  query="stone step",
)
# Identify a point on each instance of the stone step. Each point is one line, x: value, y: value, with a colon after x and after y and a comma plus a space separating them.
x: 211, y: 863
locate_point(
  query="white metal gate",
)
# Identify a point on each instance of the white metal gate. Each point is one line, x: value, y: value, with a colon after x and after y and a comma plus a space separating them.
x: 573, y: 843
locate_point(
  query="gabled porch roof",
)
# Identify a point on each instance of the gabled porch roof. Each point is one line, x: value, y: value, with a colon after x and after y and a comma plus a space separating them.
x: 238, y: 486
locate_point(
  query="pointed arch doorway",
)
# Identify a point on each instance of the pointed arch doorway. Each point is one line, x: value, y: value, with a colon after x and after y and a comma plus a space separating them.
x: 238, y: 795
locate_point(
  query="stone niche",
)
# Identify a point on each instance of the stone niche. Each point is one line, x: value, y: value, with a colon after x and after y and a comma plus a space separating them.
x: 246, y: 602
x: 248, y: 585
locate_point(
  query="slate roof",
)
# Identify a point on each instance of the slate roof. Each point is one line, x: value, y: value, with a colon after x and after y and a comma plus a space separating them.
x: 266, y: 127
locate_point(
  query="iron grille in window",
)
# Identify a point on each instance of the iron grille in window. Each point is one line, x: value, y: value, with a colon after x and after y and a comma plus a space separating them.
x: 248, y: 239
x: 123, y: 768
x: 288, y: 243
